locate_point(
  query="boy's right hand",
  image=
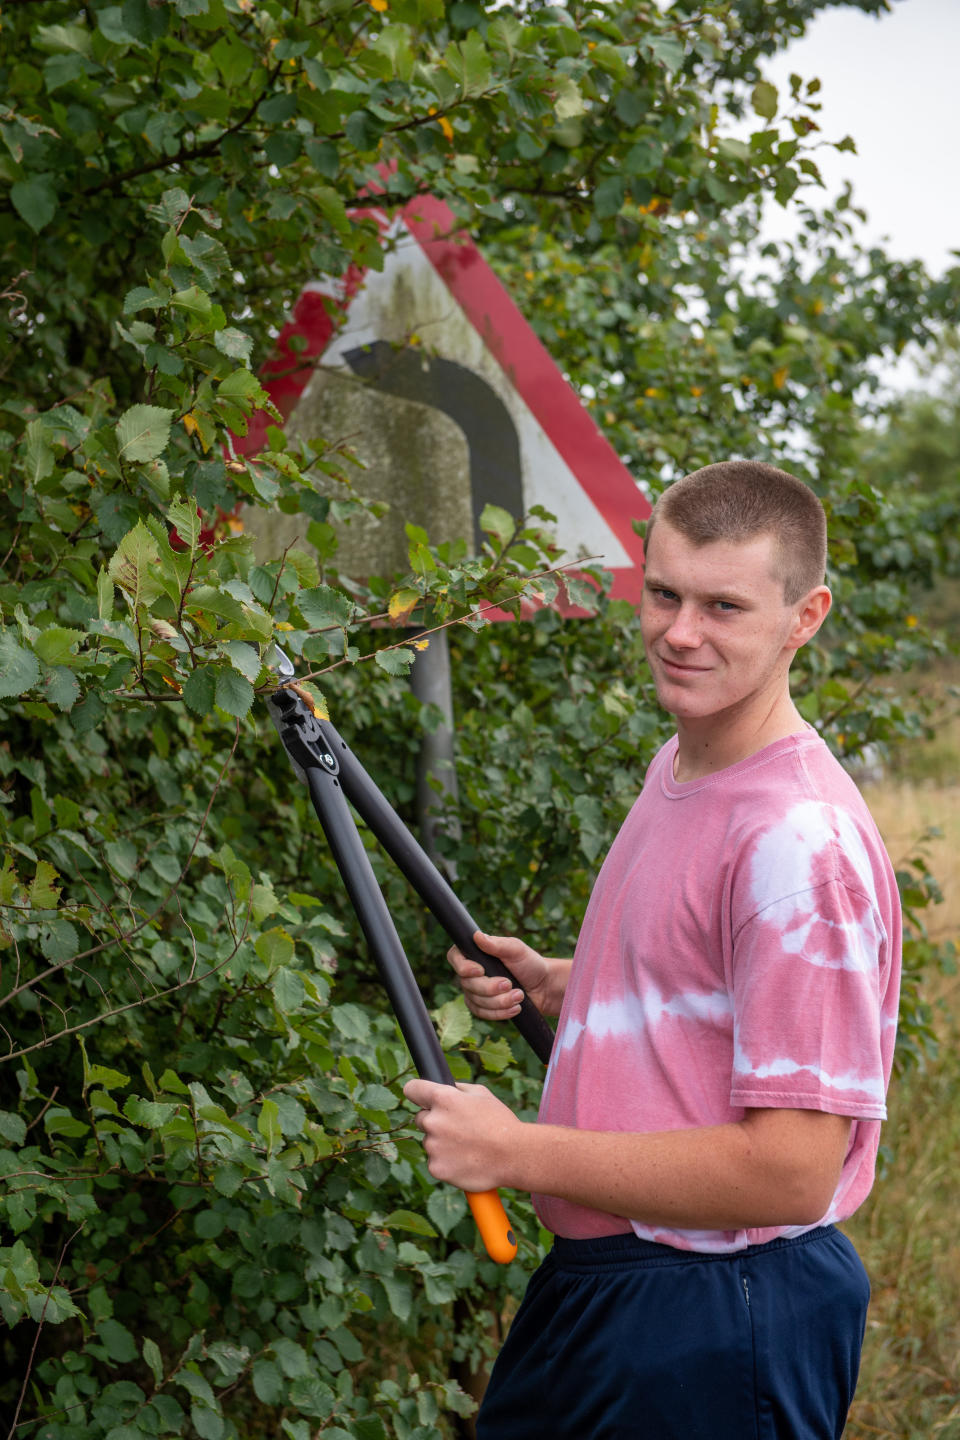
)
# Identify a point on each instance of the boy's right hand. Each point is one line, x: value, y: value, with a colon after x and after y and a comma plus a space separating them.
x: 492, y: 997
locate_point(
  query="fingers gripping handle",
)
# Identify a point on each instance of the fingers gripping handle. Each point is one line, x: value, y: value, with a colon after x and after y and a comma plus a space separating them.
x: 491, y: 1220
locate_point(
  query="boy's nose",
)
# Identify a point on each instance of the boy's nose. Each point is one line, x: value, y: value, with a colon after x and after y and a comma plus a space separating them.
x: 684, y: 630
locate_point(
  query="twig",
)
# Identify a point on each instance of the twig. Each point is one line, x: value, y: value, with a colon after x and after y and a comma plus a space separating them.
x: 36, y: 1338
x: 457, y: 620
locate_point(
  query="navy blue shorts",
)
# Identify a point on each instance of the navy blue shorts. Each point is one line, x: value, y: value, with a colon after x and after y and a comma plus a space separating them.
x: 622, y: 1339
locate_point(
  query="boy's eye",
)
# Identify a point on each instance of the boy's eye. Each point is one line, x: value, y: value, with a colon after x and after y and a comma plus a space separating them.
x: 726, y: 605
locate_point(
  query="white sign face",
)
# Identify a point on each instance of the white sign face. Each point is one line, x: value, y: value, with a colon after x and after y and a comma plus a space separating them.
x: 451, y: 402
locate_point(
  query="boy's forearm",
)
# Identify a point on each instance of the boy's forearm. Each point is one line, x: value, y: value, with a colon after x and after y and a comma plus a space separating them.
x: 778, y: 1169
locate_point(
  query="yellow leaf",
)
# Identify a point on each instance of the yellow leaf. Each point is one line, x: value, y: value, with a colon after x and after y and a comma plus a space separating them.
x: 443, y: 122
x: 190, y: 423
x: 313, y: 698
x: 282, y: 625
x: 378, y: 5
x: 780, y: 377
x: 424, y: 644
x: 401, y: 603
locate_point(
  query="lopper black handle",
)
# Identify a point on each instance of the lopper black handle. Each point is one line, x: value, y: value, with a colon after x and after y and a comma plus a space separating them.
x: 398, y: 979
x: 438, y: 896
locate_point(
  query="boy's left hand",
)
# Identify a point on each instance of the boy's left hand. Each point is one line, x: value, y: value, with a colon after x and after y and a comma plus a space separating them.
x: 469, y: 1134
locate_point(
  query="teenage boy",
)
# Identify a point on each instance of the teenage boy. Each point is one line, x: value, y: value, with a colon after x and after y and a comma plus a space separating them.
x: 714, y: 1097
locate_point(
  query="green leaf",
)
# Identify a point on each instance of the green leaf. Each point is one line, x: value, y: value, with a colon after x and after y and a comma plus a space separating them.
x: 233, y: 693
x: 153, y: 1358
x: 184, y: 518
x: 446, y: 1207
x: 568, y: 103
x: 408, y: 1220
x: 733, y: 149
x: 61, y: 687
x: 19, y: 670
x: 35, y: 201
x: 274, y: 947
x: 142, y: 298
x: 394, y: 42
x: 240, y: 386
x: 43, y: 894
x: 292, y: 1358
x: 454, y: 1022
x: 267, y: 1382
x: 324, y: 607
x: 496, y: 1055
x: 351, y: 1021
x: 200, y: 688
x: 38, y: 454
x: 13, y: 1129
x: 196, y: 303
x: 208, y: 1423
x: 104, y: 595
x: 134, y: 565
x: 143, y: 432
x: 243, y: 657
x: 233, y: 343
x: 58, y: 941
x: 399, y: 1293
x: 765, y: 99
x: 56, y: 645
x: 666, y: 49
x: 118, y: 1341
x: 232, y: 58
x: 268, y: 1123
x: 608, y: 58
x: 496, y: 521
x: 469, y: 63
x: 149, y: 1113
x: 288, y: 990
x: 395, y: 661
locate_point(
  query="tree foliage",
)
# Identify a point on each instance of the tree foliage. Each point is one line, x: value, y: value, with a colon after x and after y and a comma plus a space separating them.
x: 217, y: 1221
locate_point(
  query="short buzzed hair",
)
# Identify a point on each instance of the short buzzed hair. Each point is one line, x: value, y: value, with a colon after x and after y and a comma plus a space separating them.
x: 738, y: 500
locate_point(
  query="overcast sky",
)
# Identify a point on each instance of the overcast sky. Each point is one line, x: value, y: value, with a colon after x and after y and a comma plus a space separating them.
x: 892, y: 84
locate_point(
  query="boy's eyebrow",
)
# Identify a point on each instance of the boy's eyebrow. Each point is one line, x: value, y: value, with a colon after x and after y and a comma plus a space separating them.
x: 731, y: 593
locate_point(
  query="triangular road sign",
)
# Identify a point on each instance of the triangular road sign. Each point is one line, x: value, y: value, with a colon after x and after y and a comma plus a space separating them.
x: 436, y: 329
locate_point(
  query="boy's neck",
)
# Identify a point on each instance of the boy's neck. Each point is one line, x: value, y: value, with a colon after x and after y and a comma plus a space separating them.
x: 709, y: 746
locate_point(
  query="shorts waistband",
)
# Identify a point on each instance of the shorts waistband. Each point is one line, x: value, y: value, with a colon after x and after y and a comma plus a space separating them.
x: 611, y: 1252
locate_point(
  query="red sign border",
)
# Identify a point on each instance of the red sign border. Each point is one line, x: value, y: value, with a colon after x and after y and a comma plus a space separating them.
x: 510, y: 339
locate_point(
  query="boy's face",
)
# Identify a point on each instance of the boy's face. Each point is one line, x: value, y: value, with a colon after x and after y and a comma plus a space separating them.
x: 718, y: 633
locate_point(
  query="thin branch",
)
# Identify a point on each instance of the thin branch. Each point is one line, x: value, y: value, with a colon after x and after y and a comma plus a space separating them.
x: 36, y: 1339
x: 457, y: 620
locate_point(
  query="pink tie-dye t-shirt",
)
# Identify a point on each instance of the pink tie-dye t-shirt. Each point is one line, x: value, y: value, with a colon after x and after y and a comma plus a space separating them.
x: 741, y: 949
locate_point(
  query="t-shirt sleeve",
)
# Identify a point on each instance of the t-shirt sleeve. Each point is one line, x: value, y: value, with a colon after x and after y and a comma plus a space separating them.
x: 807, y: 1009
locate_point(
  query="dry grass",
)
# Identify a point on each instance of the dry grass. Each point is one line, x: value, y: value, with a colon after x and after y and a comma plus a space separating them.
x: 908, y: 1238
x: 906, y: 811
x: 907, y: 1233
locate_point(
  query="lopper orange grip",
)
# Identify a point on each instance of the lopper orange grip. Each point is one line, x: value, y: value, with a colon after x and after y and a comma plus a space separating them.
x: 495, y: 1229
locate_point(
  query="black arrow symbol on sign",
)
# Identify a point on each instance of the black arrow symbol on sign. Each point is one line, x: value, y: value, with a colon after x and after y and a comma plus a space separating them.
x: 492, y: 442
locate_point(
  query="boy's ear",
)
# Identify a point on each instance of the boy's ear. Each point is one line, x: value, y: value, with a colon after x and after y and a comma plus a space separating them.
x: 812, y: 610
